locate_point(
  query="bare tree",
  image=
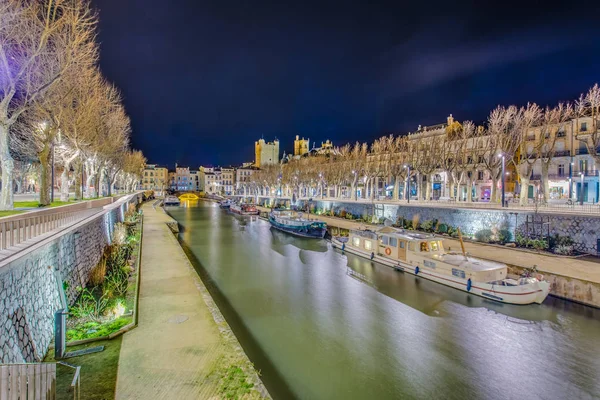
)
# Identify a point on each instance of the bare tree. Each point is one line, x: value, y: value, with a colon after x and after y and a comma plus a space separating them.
x: 39, y: 42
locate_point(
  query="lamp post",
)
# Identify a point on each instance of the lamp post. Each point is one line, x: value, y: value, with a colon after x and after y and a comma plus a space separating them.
x: 503, y: 178
x: 581, y: 192
x: 407, y: 184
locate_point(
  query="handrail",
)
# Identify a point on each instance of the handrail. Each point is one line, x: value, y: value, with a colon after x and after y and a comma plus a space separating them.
x: 76, y: 382
x: 17, y: 229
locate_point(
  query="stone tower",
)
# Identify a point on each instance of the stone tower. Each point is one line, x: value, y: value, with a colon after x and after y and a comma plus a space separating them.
x: 301, y: 146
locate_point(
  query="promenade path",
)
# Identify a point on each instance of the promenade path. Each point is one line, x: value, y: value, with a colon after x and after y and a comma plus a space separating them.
x: 177, y: 351
x: 579, y: 268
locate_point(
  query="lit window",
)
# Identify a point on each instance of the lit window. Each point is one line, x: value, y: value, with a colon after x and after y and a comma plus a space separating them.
x: 368, y: 245
x: 434, y: 246
x: 424, y: 247
x: 356, y: 241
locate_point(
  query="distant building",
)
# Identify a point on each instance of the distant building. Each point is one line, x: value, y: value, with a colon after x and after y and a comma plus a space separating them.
x: 219, y: 180
x: 183, y: 179
x: 243, y: 175
x: 155, y: 178
x: 301, y: 146
x: 266, y: 153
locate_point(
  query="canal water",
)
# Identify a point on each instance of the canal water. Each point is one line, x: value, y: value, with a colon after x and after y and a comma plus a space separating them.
x: 320, y: 324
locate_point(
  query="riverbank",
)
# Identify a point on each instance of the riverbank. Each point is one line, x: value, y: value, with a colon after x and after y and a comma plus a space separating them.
x: 182, y: 348
x: 573, y: 279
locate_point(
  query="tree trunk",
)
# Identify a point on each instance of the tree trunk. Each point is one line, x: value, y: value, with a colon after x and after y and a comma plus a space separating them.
x: 545, y: 182
x: 428, y: 187
x: 524, y: 191
x: 64, y: 184
x: 470, y: 190
x: 45, y: 183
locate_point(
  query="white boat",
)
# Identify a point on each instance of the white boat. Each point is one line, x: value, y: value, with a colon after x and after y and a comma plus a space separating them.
x: 293, y: 222
x: 424, y: 255
x: 244, y: 209
x: 225, y: 203
x: 171, y: 201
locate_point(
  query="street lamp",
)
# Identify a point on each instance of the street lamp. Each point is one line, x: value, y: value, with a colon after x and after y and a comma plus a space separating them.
x: 581, y: 193
x: 407, y: 184
x: 503, y: 178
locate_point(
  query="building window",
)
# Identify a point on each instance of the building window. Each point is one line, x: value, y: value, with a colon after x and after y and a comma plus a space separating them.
x: 583, y: 127
x: 356, y: 242
x: 368, y: 245
x: 561, y: 169
x: 480, y: 175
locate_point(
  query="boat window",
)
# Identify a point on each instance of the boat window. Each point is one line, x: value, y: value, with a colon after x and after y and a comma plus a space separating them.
x: 368, y: 245
x: 384, y: 240
x: 434, y: 246
x: 356, y: 242
x: 411, y: 246
x: 402, y: 244
x: 393, y: 242
x: 424, y: 246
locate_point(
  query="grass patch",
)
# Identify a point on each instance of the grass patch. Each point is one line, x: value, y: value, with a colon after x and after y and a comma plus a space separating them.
x: 234, y: 383
x: 8, y: 213
x: 93, y: 329
x: 98, y: 371
x: 35, y: 203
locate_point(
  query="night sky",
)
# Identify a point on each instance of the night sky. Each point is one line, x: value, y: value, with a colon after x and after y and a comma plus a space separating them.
x: 203, y: 80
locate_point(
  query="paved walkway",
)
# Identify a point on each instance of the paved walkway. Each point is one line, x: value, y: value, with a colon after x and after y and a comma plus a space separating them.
x: 178, y: 350
x: 570, y: 267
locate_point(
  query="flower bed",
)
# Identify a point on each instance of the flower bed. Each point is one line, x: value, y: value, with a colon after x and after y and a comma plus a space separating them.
x: 106, y: 304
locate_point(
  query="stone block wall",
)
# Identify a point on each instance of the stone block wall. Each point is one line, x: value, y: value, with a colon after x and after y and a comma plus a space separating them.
x: 29, y: 288
x: 584, y: 230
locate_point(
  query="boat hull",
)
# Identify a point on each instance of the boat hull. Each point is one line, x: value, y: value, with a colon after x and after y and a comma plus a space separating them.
x: 521, y: 294
x: 240, y: 212
x: 306, y: 232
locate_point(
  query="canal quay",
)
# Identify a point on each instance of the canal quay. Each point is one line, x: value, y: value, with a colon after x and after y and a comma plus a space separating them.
x: 321, y: 324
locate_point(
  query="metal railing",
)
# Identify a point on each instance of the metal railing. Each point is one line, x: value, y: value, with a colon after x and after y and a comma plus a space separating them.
x: 28, y: 381
x: 554, y: 206
x: 76, y: 382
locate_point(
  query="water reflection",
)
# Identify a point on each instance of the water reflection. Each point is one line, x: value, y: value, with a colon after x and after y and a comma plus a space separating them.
x: 320, y: 324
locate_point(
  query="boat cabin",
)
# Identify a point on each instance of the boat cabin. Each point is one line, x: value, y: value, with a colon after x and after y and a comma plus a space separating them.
x: 425, y: 251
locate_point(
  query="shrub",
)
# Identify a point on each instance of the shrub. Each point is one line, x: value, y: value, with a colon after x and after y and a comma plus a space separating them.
x: 484, y: 235
x: 442, y: 228
x: 342, y: 214
x: 564, y: 250
x: 539, y: 244
x: 119, y: 235
x: 98, y: 272
x: 504, y: 236
x: 521, y: 240
x: 427, y: 226
x: 89, y: 306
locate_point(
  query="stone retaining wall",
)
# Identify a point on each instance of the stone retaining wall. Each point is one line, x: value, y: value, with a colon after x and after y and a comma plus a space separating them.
x: 29, y: 294
x: 584, y: 230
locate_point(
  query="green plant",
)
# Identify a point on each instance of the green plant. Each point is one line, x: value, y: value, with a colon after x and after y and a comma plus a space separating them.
x: 564, y: 250
x: 93, y: 329
x: 116, y: 284
x: 89, y: 306
x: 484, y: 235
x: 442, y: 228
x: 539, y: 244
x: 504, y: 236
x: 234, y: 383
x: 98, y: 273
x: 427, y: 226
x: 521, y: 240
